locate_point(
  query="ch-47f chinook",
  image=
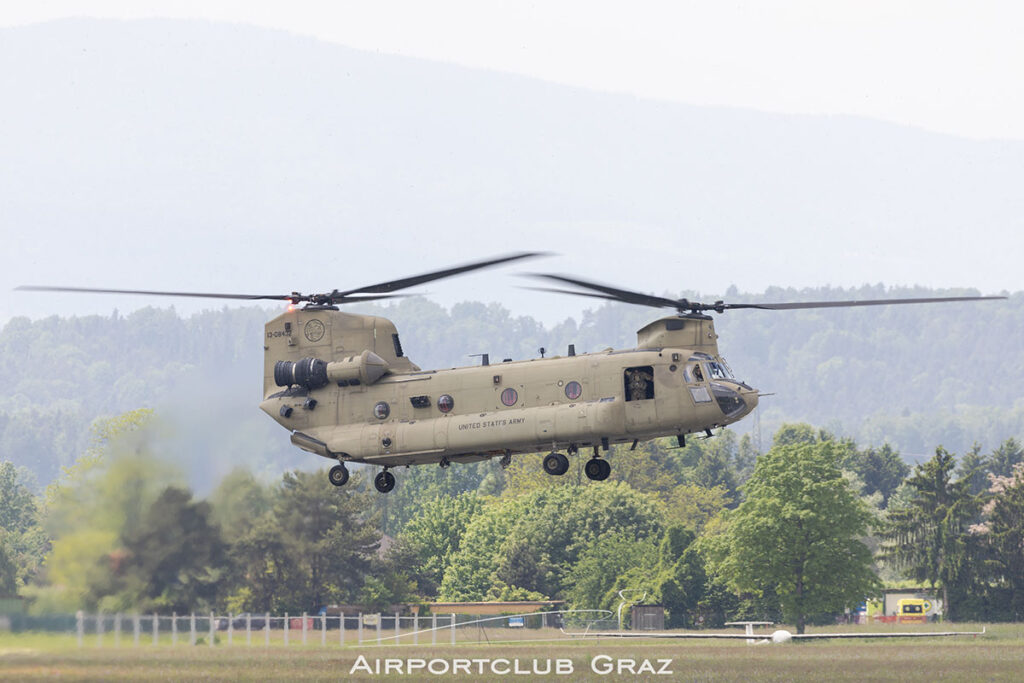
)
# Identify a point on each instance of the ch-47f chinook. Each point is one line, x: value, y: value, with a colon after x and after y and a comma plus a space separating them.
x: 341, y: 384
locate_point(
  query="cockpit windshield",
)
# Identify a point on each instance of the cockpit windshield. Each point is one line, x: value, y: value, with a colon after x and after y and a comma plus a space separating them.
x: 718, y: 370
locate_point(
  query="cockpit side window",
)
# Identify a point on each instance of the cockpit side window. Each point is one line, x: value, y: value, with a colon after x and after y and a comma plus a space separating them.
x: 639, y: 383
x: 693, y: 373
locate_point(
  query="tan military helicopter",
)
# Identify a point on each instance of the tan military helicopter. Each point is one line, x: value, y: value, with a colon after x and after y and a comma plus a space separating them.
x: 341, y: 384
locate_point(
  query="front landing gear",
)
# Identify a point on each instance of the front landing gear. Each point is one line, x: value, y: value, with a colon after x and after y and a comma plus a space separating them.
x: 338, y: 475
x: 384, y: 481
x: 597, y: 469
x: 556, y: 464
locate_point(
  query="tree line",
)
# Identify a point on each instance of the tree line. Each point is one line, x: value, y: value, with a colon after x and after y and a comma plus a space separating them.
x: 714, y: 531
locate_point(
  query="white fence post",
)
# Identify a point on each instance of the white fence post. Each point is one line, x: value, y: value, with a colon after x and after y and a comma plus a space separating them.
x: 212, y: 626
x: 136, y: 628
x: 433, y: 629
x: 117, y: 630
x: 99, y: 629
x: 323, y: 629
x: 398, y: 632
x: 453, y: 629
x: 416, y: 628
x: 192, y: 629
x: 80, y: 626
x: 379, y: 620
x: 266, y: 631
x: 341, y: 628
x: 304, y: 628
x: 174, y: 628
x: 248, y: 628
x: 359, y: 626
x: 231, y: 628
x: 156, y: 629
x: 286, y: 629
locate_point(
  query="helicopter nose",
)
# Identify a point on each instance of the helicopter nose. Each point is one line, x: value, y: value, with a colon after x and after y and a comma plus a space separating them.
x: 734, y: 399
x: 750, y: 397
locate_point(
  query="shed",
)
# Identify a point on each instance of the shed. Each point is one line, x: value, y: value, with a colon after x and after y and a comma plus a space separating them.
x: 647, y: 617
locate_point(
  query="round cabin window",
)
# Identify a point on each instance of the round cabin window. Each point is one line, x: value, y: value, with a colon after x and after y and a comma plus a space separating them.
x: 445, y: 403
x: 381, y: 410
x: 573, y: 390
x: 509, y: 396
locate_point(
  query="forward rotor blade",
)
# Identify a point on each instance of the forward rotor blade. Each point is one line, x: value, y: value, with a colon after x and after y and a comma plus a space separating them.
x: 862, y: 302
x: 147, y: 292
x: 594, y: 295
x: 616, y: 294
x: 393, y: 285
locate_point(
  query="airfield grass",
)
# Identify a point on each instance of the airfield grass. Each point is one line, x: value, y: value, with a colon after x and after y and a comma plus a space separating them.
x: 996, y: 656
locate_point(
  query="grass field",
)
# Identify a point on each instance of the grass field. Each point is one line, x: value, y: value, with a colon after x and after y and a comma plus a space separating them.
x: 999, y: 655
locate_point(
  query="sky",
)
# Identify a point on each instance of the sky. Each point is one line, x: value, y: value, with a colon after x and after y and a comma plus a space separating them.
x: 950, y: 67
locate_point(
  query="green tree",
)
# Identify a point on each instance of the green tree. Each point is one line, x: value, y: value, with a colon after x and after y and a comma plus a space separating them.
x: 238, y: 502
x: 332, y: 543
x: 541, y: 536
x: 18, y: 509
x: 590, y: 581
x: 927, y: 537
x: 1002, y: 534
x: 23, y: 542
x: 682, y: 578
x: 798, y: 533
x: 172, y: 560
x: 1004, y: 458
x: 973, y: 466
x: 434, y: 535
x: 880, y: 469
x: 101, y: 499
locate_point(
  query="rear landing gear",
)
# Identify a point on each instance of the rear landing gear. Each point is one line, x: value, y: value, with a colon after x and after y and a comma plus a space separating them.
x: 338, y: 475
x: 597, y: 469
x: 556, y: 464
x: 384, y: 481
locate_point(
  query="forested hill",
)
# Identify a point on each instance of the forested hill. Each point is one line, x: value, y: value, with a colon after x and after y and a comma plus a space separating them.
x: 916, y: 376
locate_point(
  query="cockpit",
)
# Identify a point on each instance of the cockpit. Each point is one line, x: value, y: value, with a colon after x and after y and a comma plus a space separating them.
x: 710, y: 379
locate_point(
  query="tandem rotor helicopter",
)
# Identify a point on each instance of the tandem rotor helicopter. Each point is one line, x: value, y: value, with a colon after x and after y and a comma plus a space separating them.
x: 341, y: 384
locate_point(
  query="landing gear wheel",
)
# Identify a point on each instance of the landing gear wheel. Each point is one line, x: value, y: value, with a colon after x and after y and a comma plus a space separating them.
x: 556, y: 464
x: 597, y: 469
x: 385, y: 481
x: 338, y: 475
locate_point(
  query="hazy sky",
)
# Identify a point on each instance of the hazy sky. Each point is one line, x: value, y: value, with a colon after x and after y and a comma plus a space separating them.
x: 946, y: 66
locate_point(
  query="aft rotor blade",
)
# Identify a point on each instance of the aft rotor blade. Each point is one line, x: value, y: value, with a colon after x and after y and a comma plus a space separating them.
x: 617, y: 294
x: 862, y: 302
x: 402, y: 283
x: 148, y: 292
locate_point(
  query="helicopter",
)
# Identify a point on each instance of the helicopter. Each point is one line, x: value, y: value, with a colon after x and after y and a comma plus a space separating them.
x: 342, y: 386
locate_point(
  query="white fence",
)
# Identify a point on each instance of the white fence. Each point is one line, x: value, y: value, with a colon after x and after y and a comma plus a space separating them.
x: 323, y: 630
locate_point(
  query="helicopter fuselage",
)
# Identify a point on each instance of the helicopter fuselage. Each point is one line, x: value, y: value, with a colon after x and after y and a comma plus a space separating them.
x: 339, y: 383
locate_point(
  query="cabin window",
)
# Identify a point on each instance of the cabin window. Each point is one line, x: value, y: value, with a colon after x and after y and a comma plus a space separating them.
x: 381, y: 410
x: 445, y: 403
x: 639, y: 383
x: 509, y: 396
x: 573, y: 390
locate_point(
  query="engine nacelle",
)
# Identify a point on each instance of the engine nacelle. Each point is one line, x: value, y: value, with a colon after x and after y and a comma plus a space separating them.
x: 366, y: 368
x: 313, y: 373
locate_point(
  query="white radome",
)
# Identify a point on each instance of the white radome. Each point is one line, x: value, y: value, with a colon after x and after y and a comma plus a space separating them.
x: 782, y: 636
